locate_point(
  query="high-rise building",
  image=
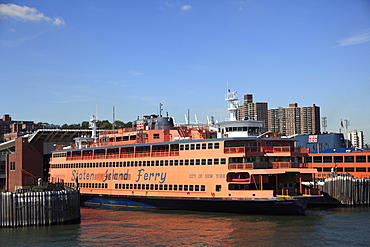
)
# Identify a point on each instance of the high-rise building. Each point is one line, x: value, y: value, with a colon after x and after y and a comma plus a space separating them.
x: 356, y: 138
x: 294, y: 120
x: 250, y: 110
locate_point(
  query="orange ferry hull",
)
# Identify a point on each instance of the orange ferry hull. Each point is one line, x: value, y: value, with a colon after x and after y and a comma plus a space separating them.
x: 271, y: 206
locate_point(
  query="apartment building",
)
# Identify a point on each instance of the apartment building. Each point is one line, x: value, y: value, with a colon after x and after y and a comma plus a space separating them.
x: 294, y: 120
x: 356, y: 138
x: 250, y: 110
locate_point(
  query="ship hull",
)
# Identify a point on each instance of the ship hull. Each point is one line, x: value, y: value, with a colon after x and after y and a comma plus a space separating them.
x: 271, y: 206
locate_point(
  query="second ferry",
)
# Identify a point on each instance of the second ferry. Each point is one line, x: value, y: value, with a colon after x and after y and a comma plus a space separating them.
x: 222, y: 167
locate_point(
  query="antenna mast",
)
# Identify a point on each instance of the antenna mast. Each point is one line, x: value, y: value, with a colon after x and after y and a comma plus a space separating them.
x: 232, y: 98
x: 114, y: 119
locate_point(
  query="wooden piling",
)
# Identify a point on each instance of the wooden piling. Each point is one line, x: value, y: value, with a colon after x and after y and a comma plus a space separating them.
x: 348, y: 190
x: 39, y: 208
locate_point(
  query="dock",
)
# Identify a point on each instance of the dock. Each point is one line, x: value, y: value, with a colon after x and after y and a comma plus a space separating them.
x: 344, y: 190
x: 39, y: 208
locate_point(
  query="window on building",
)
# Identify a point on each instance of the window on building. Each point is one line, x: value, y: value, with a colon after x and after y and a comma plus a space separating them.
x: 338, y: 159
x: 349, y: 169
x: 328, y: 159
x: 349, y: 159
x: 12, y: 166
x: 317, y: 159
x: 361, y: 159
x: 360, y: 169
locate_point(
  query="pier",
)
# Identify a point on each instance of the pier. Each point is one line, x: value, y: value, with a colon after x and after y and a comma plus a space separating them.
x: 344, y: 190
x: 348, y: 190
x: 39, y: 208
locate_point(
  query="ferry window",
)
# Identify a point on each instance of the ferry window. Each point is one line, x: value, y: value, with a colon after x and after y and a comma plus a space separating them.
x: 124, y: 164
x: 210, y: 145
x: 349, y: 159
x: 339, y: 169
x: 161, y: 162
x: 217, y: 146
x: 139, y: 186
x: 175, y: 187
x: 308, y: 159
x: 197, y: 162
x: 140, y: 163
x: 165, y: 186
x: 203, y: 162
x: 319, y: 169
x: 197, y: 146
x: 157, y: 163
x: 170, y: 187
x: 136, y: 163
x: 360, y: 169
x: 191, y: 162
x: 180, y: 187
x: 202, y: 188
x: 131, y: 186
x: 161, y: 187
x: 317, y: 159
x: 156, y: 187
x: 186, y: 162
x: 181, y: 162
x: 223, y: 161
x: 236, y: 160
x: 327, y: 169
x: 152, y: 163
x: 186, y: 146
x: 349, y: 169
x: 155, y: 136
x: 152, y: 187
x: 196, y: 187
x: 192, y: 146
x: 171, y: 162
x: 209, y: 162
x: 218, y: 187
x: 191, y: 187
x: 147, y: 187
x: 120, y: 164
x: 215, y: 161
x: 361, y: 159
x: 176, y: 162
x: 368, y: 169
x: 338, y: 159
x: 181, y: 147
x: 166, y: 162
x: 328, y: 159
x: 204, y: 146
x: 186, y: 187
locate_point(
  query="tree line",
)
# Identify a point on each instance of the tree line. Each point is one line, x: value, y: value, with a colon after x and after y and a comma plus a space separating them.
x: 101, y: 125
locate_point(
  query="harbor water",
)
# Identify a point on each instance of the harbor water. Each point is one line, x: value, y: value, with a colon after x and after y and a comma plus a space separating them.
x: 132, y: 227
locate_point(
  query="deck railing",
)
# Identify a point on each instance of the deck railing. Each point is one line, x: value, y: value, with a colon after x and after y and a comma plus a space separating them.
x: 266, y: 165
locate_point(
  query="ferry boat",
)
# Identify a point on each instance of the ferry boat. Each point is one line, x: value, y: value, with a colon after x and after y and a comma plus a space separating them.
x: 222, y: 167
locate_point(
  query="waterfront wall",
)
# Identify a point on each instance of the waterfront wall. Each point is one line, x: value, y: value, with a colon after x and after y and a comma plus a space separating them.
x: 348, y: 190
x: 39, y: 208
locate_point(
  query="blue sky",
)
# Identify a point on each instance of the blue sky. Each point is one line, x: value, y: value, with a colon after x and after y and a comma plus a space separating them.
x: 61, y: 59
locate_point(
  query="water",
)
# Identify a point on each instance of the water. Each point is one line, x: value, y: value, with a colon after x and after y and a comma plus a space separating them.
x: 123, y: 227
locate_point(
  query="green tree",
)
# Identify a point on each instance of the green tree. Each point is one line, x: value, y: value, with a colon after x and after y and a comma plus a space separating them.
x: 104, y: 125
